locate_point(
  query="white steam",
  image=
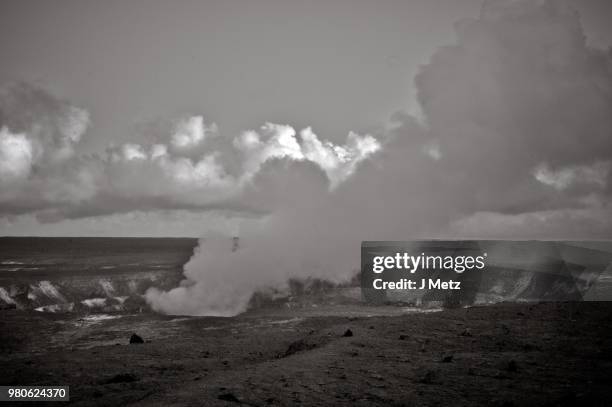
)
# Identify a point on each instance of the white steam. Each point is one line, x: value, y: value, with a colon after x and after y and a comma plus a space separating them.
x: 516, y: 143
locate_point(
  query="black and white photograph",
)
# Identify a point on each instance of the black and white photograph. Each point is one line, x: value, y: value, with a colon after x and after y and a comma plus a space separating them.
x: 306, y: 202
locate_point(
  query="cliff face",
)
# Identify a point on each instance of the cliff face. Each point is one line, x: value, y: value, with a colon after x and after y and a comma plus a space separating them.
x: 87, y: 274
x: 547, y: 271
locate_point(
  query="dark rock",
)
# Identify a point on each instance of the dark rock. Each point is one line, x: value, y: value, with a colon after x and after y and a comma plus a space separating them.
x: 403, y: 337
x: 447, y: 359
x: 347, y: 333
x: 466, y: 332
x: 122, y: 378
x: 136, y: 339
x: 228, y: 397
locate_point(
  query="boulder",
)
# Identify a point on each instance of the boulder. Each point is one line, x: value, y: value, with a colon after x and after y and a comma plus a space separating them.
x: 136, y: 339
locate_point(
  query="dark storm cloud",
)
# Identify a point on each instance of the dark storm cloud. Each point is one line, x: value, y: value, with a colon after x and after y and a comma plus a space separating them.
x: 515, y: 120
x: 520, y: 94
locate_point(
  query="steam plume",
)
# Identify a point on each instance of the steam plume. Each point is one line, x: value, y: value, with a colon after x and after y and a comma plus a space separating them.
x: 515, y: 133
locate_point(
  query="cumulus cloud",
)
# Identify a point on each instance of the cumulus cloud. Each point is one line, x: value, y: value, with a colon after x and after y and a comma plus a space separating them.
x: 595, y: 175
x: 190, y: 167
x: 53, y: 127
x: 15, y: 155
x: 280, y: 141
x: 513, y: 141
x: 191, y: 132
x: 518, y: 94
x: 38, y: 164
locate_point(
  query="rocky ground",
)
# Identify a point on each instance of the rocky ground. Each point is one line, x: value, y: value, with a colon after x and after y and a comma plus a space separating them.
x: 503, y: 355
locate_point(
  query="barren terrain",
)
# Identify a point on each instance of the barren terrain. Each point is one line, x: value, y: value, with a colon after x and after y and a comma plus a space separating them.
x: 506, y: 355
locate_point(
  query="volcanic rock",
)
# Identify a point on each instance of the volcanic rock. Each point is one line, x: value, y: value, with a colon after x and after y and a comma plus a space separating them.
x: 136, y: 339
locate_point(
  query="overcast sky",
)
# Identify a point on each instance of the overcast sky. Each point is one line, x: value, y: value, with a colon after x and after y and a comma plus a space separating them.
x: 80, y: 76
x: 333, y: 65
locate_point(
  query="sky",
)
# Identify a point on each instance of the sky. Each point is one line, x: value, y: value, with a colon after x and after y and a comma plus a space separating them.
x: 157, y: 118
x: 240, y: 63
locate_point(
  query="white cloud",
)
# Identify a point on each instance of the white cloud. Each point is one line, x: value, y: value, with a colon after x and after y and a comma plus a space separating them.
x: 42, y: 173
x: 15, y: 155
x: 273, y: 141
x: 191, y: 132
x: 433, y: 151
x: 133, y: 152
x: 338, y: 161
x: 281, y: 141
x: 595, y: 175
